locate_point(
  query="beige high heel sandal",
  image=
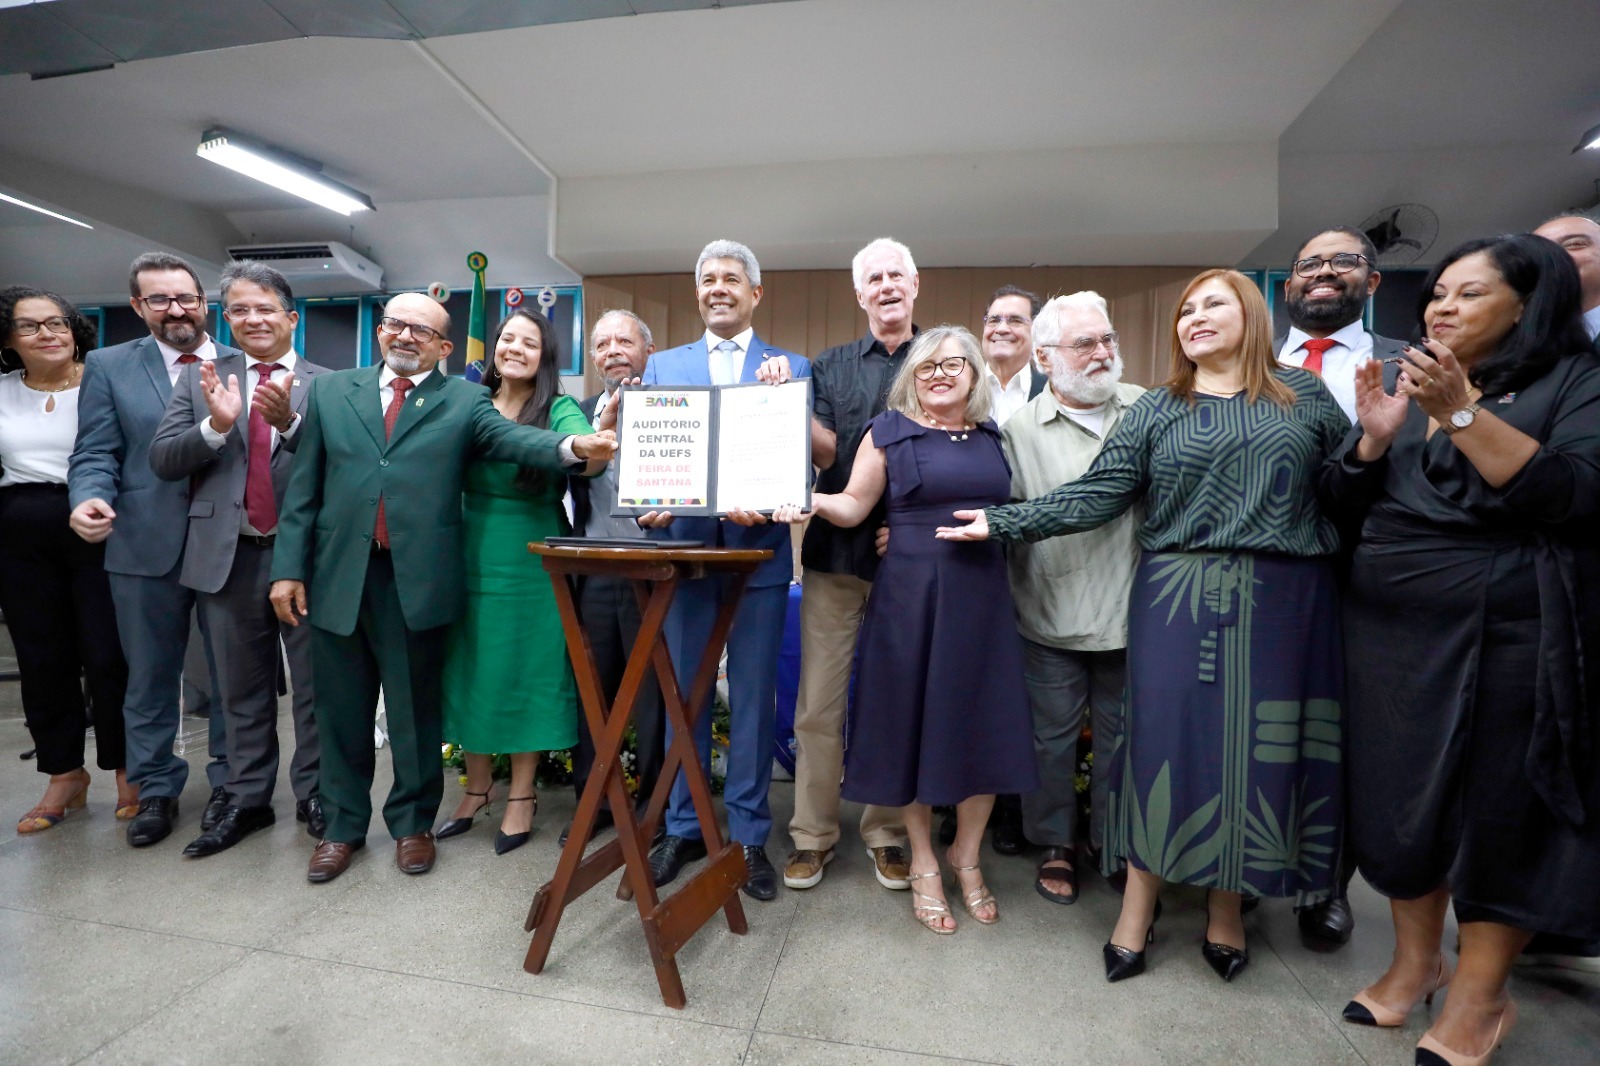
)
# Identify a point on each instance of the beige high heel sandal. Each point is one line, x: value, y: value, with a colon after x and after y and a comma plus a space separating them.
x: 978, y: 897
x: 931, y: 911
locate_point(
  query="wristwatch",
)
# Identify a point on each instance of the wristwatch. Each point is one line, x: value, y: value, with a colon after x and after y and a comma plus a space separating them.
x: 1459, y: 420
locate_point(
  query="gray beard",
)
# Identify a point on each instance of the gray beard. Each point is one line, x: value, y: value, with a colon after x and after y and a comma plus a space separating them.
x: 1079, y: 386
x: 402, y: 364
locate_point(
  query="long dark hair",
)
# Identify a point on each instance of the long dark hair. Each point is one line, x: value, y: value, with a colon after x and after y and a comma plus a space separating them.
x: 546, y: 386
x: 1551, y: 327
x: 84, y: 334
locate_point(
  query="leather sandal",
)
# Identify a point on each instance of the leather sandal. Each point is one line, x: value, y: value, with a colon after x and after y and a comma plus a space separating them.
x: 1055, y: 853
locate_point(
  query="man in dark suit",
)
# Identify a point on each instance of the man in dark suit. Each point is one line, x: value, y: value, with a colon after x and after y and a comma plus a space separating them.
x: 1014, y: 377
x: 1332, y: 277
x: 118, y: 499
x: 620, y: 346
x: 369, y: 552
x: 727, y: 289
x: 237, y: 463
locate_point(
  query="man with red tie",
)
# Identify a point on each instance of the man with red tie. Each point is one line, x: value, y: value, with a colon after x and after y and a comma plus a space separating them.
x: 370, y: 554
x: 1330, y: 280
x: 230, y: 430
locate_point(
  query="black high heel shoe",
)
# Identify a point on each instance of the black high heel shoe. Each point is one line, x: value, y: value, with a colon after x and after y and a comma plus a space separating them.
x: 1227, y: 961
x: 504, y: 842
x: 1121, y: 963
x: 456, y: 826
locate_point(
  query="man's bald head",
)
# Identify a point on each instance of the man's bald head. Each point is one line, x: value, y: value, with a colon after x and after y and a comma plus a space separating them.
x: 413, y: 333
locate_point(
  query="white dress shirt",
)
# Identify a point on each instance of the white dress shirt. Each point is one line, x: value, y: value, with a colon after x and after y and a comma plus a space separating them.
x: 1591, y: 321
x: 207, y: 352
x: 1007, y: 400
x: 727, y: 368
x: 1352, y: 347
x: 35, y: 443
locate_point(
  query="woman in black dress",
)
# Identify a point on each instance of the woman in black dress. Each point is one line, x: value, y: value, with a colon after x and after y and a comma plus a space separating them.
x: 931, y: 724
x: 1472, y: 626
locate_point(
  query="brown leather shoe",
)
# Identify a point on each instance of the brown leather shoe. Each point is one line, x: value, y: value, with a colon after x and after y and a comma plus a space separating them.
x: 891, y: 867
x: 805, y: 867
x: 414, y: 854
x: 330, y: 859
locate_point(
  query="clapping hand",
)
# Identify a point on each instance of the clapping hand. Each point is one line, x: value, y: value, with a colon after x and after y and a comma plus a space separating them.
x: 225, y: 404
x: 977, y: 527
x: 1380, y: 414
x: 1431, y: 376
x: 272, y: 401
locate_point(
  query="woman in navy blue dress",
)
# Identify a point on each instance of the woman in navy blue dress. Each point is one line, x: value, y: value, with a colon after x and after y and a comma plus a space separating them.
x: 934, y: 723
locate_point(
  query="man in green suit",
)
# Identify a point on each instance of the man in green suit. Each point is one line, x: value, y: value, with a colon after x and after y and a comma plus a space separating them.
x: 369, y: 552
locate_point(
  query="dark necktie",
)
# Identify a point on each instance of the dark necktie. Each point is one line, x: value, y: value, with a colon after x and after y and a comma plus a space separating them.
x: 260, y: 506
x: 1314, y: 352
x: 391, y: 415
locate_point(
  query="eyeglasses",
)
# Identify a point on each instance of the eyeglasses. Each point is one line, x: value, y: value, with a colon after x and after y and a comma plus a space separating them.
x: 240, y: 312
x: 1014, y: 321
x: 394, y: 327
x: 1342, y: 263
x: 27, y: 327
x: 188, y: 301
x: 1086, y: 345
x: 951, y: 368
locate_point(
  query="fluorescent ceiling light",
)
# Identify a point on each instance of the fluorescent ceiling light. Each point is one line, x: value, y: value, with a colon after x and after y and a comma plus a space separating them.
x: 1591, y: 139
x: 280, y: 170
x: 42, y: 210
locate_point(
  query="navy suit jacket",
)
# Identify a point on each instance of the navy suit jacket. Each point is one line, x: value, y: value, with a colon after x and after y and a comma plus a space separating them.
x: 123, y: 395
x: 691, y: 365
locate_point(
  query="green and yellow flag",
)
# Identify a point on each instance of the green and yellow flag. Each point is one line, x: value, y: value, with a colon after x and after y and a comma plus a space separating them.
x: 477, y: 262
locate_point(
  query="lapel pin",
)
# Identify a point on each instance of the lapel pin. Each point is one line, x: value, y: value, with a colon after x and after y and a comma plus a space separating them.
x: 419, y: 401
x: 1508, y: 397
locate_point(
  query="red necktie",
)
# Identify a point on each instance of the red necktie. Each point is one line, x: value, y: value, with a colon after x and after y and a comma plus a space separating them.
x: 391, y: 415
x: 260, y: 506
x: 1314, y: 349
x: 186, y: 358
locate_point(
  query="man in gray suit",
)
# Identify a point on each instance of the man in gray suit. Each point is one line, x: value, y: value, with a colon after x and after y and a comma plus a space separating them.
x: 118, y: 499
x: 1330, y: 280
x: 230, y: 430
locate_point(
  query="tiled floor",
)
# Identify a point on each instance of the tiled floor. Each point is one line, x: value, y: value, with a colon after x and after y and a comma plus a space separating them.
x: 111, y: 955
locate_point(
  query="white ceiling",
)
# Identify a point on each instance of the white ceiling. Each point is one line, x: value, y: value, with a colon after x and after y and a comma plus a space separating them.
x: 982, y: 132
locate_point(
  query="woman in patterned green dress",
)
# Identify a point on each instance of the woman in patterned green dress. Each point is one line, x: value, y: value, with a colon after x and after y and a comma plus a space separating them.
x: 1229, y: 771
x: 508, y: 685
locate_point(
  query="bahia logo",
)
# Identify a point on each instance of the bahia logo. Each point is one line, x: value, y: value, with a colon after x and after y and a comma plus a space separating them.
x: 666, y: 401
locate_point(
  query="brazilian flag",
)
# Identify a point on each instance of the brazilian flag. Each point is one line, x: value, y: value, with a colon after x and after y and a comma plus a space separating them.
x: 477, y: 262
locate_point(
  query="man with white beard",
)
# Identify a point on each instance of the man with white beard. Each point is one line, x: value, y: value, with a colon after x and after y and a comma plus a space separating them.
x: 1071, y: 592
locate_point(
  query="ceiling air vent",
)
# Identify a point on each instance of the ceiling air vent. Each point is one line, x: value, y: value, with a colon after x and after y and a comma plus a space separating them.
x: 317, y: 268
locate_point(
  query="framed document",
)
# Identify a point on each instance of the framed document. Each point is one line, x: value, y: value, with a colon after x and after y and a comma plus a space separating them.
x: 706, y: 450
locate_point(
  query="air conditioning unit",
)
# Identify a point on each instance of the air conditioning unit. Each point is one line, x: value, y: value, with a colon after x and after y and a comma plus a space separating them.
x: 313, y: 268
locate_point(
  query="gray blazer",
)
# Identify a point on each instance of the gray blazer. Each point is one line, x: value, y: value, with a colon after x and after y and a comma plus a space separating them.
x: 121, y: 400
x: 180, y: 452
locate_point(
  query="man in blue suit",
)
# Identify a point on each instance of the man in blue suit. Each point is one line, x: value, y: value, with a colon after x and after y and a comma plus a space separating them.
x: 117, y: 498
x: 727, y: 290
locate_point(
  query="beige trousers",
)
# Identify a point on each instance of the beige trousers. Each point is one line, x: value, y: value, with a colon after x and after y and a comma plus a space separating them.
x: 831, y: 609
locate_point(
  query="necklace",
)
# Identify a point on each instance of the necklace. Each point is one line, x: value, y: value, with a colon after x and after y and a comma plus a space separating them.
x: 72, y: 380
x: 953, y: 434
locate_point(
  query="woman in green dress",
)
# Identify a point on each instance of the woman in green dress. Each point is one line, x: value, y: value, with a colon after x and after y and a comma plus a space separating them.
x: 508, y: 686
x: 1228, y: 772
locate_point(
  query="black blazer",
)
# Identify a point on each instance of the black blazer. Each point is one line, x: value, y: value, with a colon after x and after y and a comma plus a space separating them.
x: 578, y: 485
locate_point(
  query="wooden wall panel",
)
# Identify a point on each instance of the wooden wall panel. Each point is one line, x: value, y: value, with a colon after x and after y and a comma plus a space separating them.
x: 809, y: 311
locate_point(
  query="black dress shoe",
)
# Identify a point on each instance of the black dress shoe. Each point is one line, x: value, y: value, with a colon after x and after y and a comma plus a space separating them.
x: 763, y: 880
x: 214, y: 808
x: 1327, y: 926
x: 668, y: 857
x: 1248, y: 904
x: 602, y: 821
x: 503, y: 841
x: 154, y: 821
x: 235, y: 824
x: 1122, y: 963
x: 309, y: 811
x: 1007, y: 838
x: 1229, y: 962
x: 456, y: 826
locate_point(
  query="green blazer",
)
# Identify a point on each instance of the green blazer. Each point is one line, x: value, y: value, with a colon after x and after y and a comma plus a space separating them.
x: 343, y: 464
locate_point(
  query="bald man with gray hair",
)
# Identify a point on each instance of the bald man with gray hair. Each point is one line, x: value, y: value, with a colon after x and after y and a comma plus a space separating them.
x: 1071, y: 592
